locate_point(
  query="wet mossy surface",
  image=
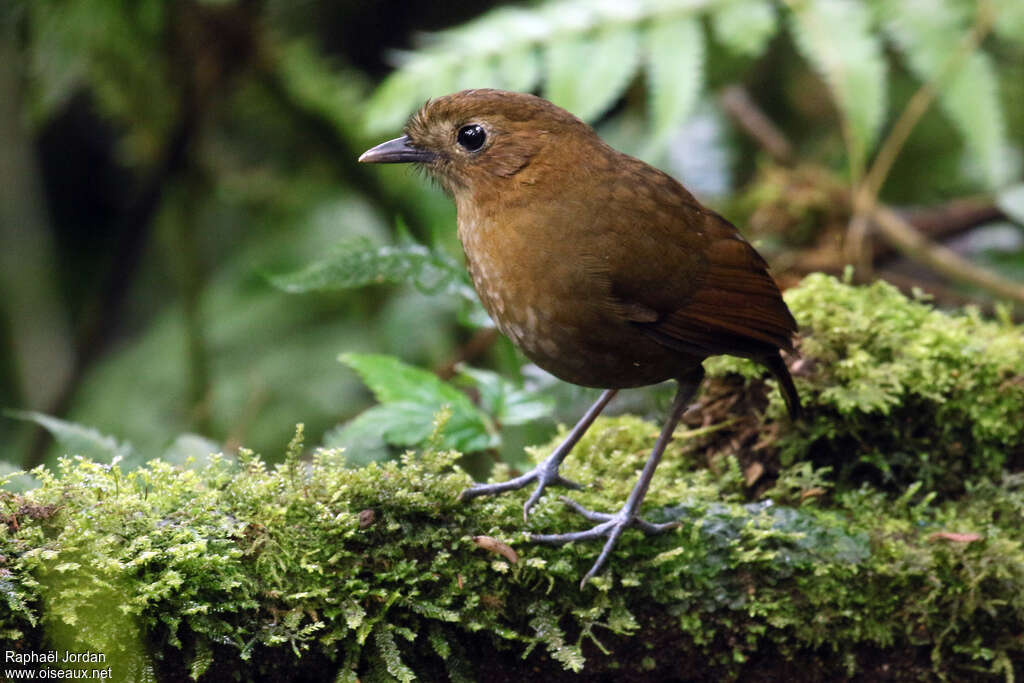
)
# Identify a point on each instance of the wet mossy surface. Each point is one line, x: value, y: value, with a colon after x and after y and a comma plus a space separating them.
x: 881, y: 539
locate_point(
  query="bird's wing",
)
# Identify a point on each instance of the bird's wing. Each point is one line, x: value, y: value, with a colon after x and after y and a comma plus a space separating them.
x: 723, y: 300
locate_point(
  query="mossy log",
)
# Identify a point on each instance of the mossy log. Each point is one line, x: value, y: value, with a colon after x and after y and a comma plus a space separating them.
x: 881, y: 539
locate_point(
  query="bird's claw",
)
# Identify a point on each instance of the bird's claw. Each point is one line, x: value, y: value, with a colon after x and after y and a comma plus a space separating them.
x: 545, y: 474
x: 609, y: 525
x: 542, y: 483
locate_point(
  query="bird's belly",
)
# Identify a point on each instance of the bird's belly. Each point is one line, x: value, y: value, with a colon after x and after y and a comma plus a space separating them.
x: 565, y: 332
x: 602, y: 365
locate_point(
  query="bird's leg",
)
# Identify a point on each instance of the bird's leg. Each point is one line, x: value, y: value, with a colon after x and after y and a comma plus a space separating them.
x: 612, y: 525
x: 546, y: 473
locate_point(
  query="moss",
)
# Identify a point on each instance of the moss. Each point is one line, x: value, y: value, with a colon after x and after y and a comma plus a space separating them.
x: 898, y: 391
x: 229, y: 563
x: 237, y: 570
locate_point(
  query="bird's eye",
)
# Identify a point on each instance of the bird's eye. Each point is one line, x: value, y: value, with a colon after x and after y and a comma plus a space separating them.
x: 472, y: 137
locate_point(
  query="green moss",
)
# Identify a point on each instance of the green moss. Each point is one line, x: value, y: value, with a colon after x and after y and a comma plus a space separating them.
x: 898, y: 391
x: 227, y: 563
x: 235, y: 570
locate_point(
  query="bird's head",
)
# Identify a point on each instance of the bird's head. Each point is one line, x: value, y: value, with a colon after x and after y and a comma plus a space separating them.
x: 474, y: 139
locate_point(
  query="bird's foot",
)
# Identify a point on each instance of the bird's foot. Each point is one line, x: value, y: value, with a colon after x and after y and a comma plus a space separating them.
x: 545, y: 474
x: 609, y: 526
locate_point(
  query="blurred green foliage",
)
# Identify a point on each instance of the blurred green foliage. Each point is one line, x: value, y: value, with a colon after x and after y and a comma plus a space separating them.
x: 586, y: 54
x: 206, y: 259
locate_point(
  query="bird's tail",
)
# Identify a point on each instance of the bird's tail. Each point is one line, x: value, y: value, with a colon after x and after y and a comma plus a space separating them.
x: 778, y: 368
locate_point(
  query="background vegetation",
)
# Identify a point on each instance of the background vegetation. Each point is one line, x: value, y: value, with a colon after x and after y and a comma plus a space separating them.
x: 176, y: 169
x: 188, y: 246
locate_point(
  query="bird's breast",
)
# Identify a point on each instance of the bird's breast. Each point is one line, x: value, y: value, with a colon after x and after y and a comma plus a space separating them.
x: 545, y: 299
x: 519, y: 287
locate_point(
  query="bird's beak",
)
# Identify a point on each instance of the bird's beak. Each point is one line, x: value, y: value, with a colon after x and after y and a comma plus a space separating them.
x: 397, y: 151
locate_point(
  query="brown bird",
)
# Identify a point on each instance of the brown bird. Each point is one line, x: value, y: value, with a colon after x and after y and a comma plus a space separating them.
x: 605, y: 271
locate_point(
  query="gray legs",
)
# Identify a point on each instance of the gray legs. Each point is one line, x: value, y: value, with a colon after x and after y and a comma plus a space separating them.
x: 612, y: 526
x: 546, y: 473
x: 609, y: 526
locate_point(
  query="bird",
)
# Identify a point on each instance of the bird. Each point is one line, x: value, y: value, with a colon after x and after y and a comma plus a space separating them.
x: 605, y: 271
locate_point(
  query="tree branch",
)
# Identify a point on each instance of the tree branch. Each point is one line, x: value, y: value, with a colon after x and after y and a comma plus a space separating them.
x: 898, y: 232
x: 737, y: 103
x: 944, y: 260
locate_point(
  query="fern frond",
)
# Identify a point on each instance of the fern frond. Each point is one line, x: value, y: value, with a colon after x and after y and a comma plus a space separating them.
x: 480, y: 73
x: 587, y: 75
x: 586, y: 52
x: 675, y: 74
x: 930, y: 35
x: 835, y: 37
x: 520, y: 69
x: 745, y: 27
x: 420, y: 78
x: 1009, y: 20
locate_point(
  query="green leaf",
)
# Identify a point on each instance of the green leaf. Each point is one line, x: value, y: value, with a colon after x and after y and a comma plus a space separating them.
x: 77, y: 439
x: 520, y: 69
x: 16, y: 479
x: 388, y: 650
x: 590, y: 53
x: 365, y: 437
x: 361, y: 438
x: 190, y: 446
x: 675, y: 53
x: 504, y: 400
x: 836, y: 37
x: 402, y: 423
x: 931, y: 34
x: 406, y: 89
x: 1011, y: 201
x: 337, y: 95
x: 419, y: 396
x: 358, y: 262
x: 392, y: 102
x: 586, y: 74
x: 1009, y: 20
x: 491, y: 386
x: 478, y: 73
x: 745, y: 27
x: 392, y: 380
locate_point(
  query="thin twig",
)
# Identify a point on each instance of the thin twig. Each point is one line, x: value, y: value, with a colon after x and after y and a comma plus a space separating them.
x: 911, y: 242
x: 952, y: 218
x: 865, y: 196
x: 916, y: 246
x: 857, y: 246
x: 920, y: 102
x: 737, y: 102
